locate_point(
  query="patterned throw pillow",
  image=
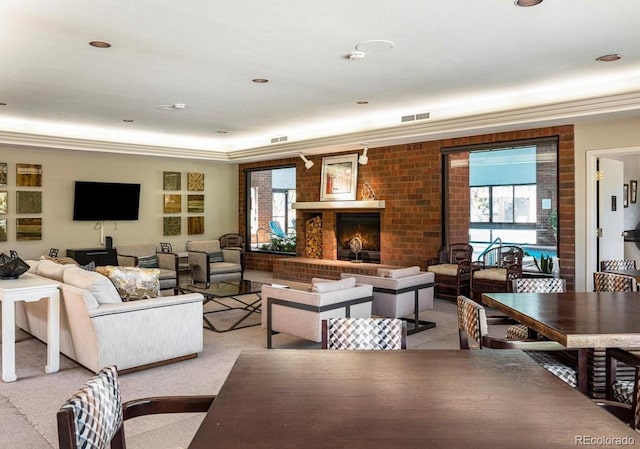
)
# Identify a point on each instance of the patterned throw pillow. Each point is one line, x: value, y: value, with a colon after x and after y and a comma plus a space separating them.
x: 148, y: 262
x: 133, y: 283
x: 91, y: 266
x: 216, y: 257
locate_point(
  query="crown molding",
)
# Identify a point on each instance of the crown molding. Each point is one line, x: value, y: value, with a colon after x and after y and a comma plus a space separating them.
x: 560, y: 113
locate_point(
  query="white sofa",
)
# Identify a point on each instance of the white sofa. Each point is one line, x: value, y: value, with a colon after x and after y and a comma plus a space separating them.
x: 98, y: 329
x: 300, y: 313
x: 398, y: 293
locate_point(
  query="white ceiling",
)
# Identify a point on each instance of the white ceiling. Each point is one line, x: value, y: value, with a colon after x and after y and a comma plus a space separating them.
x: 474, y: 65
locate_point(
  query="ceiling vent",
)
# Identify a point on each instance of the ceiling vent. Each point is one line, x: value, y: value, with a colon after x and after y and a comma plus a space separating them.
x: 412, y: 117
x: 279, y: 139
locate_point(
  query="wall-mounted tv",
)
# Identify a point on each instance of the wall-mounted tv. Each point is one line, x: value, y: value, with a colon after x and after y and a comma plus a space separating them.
x: 99, y: 201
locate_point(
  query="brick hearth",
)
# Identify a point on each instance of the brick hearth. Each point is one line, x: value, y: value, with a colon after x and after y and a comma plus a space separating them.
x: 302, y: 269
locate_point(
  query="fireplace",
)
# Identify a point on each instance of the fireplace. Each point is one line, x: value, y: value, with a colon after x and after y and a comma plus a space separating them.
x: 363, y: 225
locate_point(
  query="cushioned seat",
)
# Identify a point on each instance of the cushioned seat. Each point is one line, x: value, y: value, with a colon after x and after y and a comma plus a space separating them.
x: 144, y: 255
x: 300, y: 313
x: 495, y: 271
x: 400, y: 293
x: 211, y: 263
x: 452, y: 269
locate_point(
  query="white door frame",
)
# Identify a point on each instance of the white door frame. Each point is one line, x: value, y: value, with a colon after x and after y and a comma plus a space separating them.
x: 591, y: 209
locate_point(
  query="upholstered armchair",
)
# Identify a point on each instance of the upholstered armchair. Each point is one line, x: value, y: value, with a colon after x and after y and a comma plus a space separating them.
x: 496, y: 270
x: 452, y: 269
x: 211, y: 263
x: 300, y: 313
x: 399, y: 293
x: 144, y: 255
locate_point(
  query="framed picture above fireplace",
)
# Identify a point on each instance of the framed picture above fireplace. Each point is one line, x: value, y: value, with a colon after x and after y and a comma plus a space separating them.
x: 339, y: 178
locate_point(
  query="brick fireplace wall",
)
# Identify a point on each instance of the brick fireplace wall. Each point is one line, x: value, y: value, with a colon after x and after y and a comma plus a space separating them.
x: 409, y: 179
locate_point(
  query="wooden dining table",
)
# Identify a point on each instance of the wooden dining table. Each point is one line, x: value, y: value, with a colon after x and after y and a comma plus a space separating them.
x: 577, y: 320
x: 292, y: 399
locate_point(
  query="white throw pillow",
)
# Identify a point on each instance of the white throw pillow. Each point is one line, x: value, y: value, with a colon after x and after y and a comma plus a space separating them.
x: 398, y: 273
x: 324, y: 285
x: 101, y: 287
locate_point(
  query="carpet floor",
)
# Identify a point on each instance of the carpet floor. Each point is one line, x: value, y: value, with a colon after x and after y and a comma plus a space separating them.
x: 28, y: 406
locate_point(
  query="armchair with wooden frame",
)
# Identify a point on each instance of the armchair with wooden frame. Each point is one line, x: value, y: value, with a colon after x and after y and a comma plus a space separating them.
x: 94, y: 416
x: 495, y: 270
x: 452, y: 270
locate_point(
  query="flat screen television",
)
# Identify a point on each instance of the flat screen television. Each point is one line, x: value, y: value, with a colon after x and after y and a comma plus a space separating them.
x: 99, y: 201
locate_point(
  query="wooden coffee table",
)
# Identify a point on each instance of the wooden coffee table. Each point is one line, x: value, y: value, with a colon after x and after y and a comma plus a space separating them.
x: 231, y: 290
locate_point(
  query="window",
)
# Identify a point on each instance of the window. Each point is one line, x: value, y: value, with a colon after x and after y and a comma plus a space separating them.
x: 271, y: 195
x: 511, y: 190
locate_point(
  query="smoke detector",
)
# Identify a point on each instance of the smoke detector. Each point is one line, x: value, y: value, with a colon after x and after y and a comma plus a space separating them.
x: 356, y: 55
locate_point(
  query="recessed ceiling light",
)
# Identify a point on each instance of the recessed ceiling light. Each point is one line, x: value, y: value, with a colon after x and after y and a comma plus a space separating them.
x: 527, y: 3
x: 609, y: 58
x: 362, y: 102
x: 100, y: 44
x: 222, y: 131
x: 260, y: 80
x: 127, y: 120
x: 375, y: 46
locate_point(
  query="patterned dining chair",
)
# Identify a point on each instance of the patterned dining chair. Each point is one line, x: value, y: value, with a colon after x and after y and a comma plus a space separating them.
x: 533, y: 285
x: 617, y: 265
x: 364, y: 333
x: 624, y: 393
x: 473, y: 333
x: 93, y: 417
x: 610, y: 282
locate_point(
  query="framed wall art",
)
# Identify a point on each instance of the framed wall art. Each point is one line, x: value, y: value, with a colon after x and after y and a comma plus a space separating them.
x: 195, y: 203
x: 172, y: 204
x: 339, y: 178
x: 625, y: 195
x: 172, y: 225
x: 633, y: 191
x: 28, y: 228
x: 195, y: 225
x: 28, y: 175
x: 3, y: 174
x: 28, y: 202
x: 172, y: 180
x: 4, y: 202
x: 195, y: 181
x: 3, y: 229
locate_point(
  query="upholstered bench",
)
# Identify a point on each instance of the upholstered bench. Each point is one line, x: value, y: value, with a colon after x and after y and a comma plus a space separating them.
x: 300, y: 313
x: 398, y: 293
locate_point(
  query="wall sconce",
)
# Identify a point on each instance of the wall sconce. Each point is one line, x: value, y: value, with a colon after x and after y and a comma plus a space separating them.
x: 307, y: 163
x: 363, y: 159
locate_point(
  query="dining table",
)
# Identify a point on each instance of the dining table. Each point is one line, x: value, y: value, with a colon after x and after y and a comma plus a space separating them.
x: 577, y: 320
x: 295, y: 398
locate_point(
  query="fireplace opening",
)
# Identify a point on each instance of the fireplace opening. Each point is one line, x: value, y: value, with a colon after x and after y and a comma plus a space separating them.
x: 366, y: 226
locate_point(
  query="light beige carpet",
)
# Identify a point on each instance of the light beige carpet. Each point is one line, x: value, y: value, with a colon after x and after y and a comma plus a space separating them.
x: 28, y: 407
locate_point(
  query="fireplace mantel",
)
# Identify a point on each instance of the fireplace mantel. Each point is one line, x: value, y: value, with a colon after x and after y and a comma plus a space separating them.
x: 372, y: 204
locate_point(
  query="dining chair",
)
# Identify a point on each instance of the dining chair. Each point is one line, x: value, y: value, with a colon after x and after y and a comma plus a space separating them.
x: 617, y: 265
x: 93, y: 417
x: 364, y: 333
x: 624, y: 393
x: 610, y: 282
x: 495, y: 269
x: 533, y: 285
x: 473, y: 334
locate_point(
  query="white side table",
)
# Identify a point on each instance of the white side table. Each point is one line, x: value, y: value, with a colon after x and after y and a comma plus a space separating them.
x: 29, y: 288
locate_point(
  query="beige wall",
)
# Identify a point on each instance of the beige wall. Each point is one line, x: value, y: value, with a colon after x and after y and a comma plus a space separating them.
x: 61, y: 168
x: 602, y: 138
